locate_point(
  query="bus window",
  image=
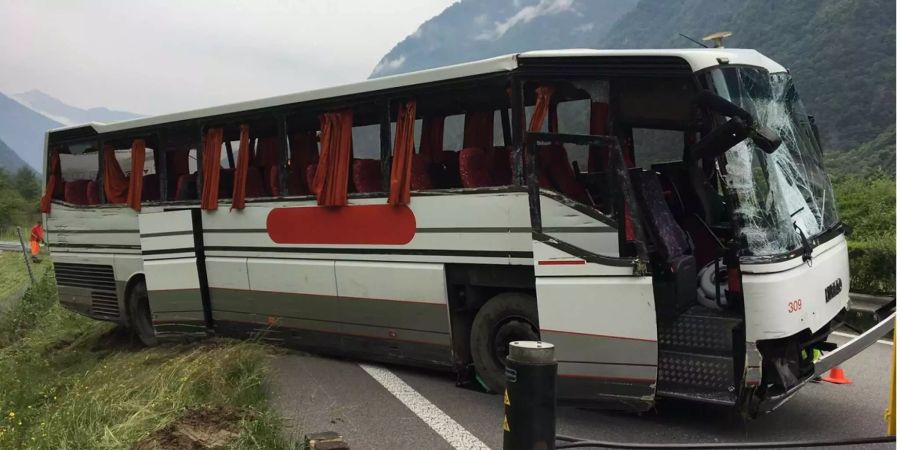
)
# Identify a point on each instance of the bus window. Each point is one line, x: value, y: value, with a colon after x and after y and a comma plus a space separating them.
x: 79, y: 168
x: 654, y: 146
x: 365, y: 169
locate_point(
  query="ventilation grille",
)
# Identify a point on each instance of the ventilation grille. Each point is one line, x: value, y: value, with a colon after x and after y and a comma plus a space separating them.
x: 99, y: 279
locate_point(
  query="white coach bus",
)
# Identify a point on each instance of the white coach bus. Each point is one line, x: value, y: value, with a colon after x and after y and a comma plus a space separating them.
x: 662, y: 216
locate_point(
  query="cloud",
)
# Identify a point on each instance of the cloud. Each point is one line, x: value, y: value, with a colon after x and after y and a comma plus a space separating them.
x: 389, y: 64
x: 525, y: 15
x: 166, y: 56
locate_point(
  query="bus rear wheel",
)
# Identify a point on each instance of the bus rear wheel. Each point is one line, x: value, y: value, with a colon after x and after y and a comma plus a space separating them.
x: 139, y: 314
x: 507, y: 317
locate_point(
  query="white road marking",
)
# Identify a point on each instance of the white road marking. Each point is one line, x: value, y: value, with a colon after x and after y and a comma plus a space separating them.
x: 440, y: 422
x: 851, y: 336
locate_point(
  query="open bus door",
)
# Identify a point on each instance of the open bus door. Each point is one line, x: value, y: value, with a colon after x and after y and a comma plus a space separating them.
x: 174, y: 270
x: 596, y: 308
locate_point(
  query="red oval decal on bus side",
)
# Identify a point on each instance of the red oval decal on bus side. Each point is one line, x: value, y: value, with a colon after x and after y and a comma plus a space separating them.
x: 356, y: 224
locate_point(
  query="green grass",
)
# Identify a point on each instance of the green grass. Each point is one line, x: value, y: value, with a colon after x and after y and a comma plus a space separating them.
x: 14, y: 275
x: 70, y: 382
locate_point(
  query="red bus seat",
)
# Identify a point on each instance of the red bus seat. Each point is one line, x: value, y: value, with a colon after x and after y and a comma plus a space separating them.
x: 475, y: 168
x: 76, y: 192
x: 555, y: 172
x: 186, y: 187
x: 93, y: 193
x: 420, y: 179
x: 367, y: 175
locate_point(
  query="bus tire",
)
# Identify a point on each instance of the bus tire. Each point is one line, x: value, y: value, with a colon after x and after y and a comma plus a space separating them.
x: 139, y: 314
x: 507, y: 317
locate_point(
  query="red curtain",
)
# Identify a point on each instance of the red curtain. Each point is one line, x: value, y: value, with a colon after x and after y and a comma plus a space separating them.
x: 212, y: 155
x: 330, y: 182
x: 431, y: 143
x: 478, y: 130
x: 136, y: 182
x: 404, y: 145
x: 240, y: 172
x: 115, y: 183
x: 54, y: 177
x: 541, y: 108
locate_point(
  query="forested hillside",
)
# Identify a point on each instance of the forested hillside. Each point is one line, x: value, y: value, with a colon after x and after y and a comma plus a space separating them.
x: 9, y: 160
x: 841, y: 52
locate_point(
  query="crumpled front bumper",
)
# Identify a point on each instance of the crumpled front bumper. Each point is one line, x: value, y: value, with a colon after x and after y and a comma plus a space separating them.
x: 833, y: 359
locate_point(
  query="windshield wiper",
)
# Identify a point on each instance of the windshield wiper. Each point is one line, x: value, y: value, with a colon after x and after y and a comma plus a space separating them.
x: 807, y: 249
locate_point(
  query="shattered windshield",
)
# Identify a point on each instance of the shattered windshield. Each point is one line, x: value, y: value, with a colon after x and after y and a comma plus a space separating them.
x: 782, y: 196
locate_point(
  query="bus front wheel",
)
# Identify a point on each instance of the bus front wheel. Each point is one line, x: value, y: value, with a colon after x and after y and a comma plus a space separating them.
x: 507, y: 317
x: 139, y: 314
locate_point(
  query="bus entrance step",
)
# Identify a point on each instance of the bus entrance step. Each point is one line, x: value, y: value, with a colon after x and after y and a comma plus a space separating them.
x: 699, y: 377
x: 700, y: 330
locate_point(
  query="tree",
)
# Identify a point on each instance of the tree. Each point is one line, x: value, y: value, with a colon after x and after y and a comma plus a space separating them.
x: 25, y: 181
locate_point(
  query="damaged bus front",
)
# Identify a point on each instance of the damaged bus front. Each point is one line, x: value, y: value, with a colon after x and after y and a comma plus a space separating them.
x: 788, y: 267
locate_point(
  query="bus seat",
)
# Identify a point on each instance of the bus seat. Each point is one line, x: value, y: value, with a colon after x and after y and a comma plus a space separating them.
x: 76, y: 192
x: 150, y: 189
x: 296, y: 181
x: 367, y: 175
x: 677, y: 289
x: 553, y: 162
x: 420, y: 179
x: 93, y: 193
x: 255, y: 187
x: 502, y: 166
x: 475, y: 168
x: 186, y: 187
x: 60, y: 191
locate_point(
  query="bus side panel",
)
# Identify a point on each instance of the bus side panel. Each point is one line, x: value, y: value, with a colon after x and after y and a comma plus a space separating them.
x: 170, y: 270
x: 88, y: 245
x: 400, y: 306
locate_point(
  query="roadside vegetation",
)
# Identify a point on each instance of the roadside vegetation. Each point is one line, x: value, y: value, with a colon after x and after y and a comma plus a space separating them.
x: 867, y: 204
x: 70, y: 382
x: 20, y: 194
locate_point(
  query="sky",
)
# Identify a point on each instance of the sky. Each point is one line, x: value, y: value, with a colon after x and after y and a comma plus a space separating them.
x: 167, y: 55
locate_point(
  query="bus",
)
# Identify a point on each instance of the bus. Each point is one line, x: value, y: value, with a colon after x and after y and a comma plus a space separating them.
x: 663, y: 217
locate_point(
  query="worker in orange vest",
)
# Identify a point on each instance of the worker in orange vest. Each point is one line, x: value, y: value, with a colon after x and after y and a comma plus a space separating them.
x: 37, y: 236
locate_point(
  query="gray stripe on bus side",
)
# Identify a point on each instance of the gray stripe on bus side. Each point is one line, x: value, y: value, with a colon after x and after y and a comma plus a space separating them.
x: 594, y: 349
x: 415, y: 317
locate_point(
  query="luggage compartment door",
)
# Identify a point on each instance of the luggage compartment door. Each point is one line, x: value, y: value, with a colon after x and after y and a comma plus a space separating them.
x: 174, y: 272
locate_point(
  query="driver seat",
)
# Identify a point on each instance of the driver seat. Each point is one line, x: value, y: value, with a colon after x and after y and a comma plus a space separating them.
x: 675, y: 286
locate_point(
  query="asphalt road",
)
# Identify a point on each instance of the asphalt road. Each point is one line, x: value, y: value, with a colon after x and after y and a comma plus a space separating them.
x: 10, y: 246
x: 324, y: 394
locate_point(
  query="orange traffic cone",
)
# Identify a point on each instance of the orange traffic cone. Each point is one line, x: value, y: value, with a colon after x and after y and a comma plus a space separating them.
x: 836, y: 376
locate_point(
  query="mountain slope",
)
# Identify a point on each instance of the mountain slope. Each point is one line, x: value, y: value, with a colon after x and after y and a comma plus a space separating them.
x: 476, y: 29
x: 23, y: 130
x: 9, y: 160
x: 841, y: 52
x: 68, y: 114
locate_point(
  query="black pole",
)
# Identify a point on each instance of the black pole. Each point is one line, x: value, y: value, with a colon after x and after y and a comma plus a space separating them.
x: 530, y: 397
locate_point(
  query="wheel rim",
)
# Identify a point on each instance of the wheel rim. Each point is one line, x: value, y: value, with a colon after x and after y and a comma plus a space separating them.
x: 515, y: 329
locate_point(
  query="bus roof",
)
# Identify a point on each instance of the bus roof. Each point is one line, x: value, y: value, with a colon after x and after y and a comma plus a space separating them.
x: 697, y: 58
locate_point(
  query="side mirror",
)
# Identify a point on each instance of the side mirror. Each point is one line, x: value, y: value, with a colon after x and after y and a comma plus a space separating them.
x: 740, y: 127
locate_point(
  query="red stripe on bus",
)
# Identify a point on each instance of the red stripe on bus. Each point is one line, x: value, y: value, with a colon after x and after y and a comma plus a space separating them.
x: 560, y: 262
x: 357, y: 224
